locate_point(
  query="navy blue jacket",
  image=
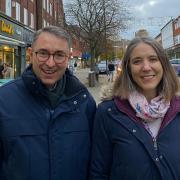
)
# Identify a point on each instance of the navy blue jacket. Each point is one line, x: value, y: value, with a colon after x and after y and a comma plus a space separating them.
x: 124, y: 150
x: 41, y: 143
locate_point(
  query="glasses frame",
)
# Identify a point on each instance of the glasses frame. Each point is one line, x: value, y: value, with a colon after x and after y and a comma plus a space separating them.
x: 49, y: 55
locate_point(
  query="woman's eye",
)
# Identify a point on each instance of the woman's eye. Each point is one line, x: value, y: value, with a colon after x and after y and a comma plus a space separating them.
x: 137, y: 61
x: 153, y: 59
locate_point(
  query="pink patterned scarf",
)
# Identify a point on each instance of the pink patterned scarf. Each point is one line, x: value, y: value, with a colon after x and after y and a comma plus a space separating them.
x: 149, y: 112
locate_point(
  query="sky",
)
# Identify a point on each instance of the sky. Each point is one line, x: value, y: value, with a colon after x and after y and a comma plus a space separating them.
x: 151, y: 15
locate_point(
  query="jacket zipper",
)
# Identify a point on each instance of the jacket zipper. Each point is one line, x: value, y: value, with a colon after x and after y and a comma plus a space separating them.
x: 155, y: 144
x: 49, y: 144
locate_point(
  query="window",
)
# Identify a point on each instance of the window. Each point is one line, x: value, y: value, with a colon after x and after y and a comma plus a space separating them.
x: 55, y: 14
x: 8, y: 7
x: 44, y: 23
x: 32, y: 21
x: 25, y: 16
x: 44, y: 4
x: 50, y: 10
x: 17, y: 11
x: 47, y: 6
x: 177, y: 39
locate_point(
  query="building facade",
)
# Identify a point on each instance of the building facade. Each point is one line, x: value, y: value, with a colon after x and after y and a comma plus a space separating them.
x: 170, y: 35
x: 176, y: 30
x: 142, y: 33
x: 49, y: 12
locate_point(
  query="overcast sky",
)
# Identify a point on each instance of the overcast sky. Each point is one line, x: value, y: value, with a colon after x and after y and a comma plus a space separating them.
x: 151, y: 15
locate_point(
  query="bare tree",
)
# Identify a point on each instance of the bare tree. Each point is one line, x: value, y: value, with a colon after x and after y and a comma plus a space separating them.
x: 96, y: 20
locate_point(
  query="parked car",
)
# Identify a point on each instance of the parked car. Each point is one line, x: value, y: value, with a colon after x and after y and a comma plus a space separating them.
x: 102, y: 67
x: 176, y: 65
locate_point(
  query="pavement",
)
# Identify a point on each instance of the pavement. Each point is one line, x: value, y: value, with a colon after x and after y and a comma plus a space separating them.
x: 82, y: 75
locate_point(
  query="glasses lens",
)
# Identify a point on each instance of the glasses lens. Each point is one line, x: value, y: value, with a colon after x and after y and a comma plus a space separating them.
x: 59, y: 57
x: 42, y: 55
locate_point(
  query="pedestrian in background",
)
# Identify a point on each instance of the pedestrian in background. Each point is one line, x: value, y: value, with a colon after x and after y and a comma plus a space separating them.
x: 46, y: 116
x: 136, y: 132
x: 1, y: 71
x: 96, y: 70
x: 8, y: 72
x: 111, y: 68
x: 75, y: 67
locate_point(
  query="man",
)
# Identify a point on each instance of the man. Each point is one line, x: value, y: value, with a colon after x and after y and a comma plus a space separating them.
x: 46, y: 116
x: 111, y: 69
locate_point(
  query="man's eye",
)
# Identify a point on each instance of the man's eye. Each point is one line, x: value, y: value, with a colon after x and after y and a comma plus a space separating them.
x: 43, y: 53
x: 59, y: 55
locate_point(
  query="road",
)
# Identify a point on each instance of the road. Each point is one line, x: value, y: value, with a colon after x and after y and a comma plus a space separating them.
x: 82, y: 75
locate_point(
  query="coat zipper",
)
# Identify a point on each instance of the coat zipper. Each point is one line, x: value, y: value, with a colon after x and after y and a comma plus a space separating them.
x: 49, y: 144
x: 155, y: 144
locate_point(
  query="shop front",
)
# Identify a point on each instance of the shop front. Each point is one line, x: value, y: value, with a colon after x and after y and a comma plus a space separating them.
x: 14, y: 41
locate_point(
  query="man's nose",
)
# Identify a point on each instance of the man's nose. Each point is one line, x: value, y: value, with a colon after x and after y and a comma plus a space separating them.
x: 50, y: 62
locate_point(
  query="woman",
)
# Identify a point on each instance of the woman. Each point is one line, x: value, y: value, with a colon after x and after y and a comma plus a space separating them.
x: 137, y: 131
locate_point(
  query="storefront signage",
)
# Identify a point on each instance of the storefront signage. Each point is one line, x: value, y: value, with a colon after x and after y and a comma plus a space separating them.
x: 7, y: 28
x: 14, y: 30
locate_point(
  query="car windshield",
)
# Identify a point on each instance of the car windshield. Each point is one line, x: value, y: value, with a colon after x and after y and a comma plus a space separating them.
x: 102, y: 64
x: 175, y: 61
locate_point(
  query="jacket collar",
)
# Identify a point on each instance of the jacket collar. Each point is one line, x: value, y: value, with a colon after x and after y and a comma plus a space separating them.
x: 124, y: 106
x: 73, y: 85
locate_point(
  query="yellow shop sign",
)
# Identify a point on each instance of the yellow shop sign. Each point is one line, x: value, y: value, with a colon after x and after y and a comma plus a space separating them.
x: 7, y: 28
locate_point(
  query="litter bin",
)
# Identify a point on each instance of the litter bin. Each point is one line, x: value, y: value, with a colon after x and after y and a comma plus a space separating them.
x: 91, y: 78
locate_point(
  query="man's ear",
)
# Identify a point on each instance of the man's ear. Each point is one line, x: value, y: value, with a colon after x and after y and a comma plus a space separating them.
x: 30, y: 53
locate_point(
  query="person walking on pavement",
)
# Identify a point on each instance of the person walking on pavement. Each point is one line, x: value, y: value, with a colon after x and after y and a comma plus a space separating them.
x: 46, y: 116
x: 136, y: 131
x: 1, y: 71
x: 111, y: 68
x: 96, y: 70
x: 75, y: 67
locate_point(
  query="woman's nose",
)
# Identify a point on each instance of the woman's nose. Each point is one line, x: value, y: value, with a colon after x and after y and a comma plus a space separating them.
x: 146, y: 65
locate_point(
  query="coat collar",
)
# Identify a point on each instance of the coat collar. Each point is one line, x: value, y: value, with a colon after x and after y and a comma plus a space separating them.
x: 124, y: 106
x: 73, y: 85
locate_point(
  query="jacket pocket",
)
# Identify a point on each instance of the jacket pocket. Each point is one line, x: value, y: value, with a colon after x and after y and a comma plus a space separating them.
x: 16, y: 135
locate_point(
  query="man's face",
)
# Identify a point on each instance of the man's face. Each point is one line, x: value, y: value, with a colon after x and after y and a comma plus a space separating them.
x: 47, y: 67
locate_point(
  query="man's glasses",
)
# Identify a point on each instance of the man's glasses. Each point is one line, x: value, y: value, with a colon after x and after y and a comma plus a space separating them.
x: 44, y: 55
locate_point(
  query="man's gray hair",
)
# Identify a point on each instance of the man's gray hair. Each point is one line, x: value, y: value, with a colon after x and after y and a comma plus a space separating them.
x: 59, y: 32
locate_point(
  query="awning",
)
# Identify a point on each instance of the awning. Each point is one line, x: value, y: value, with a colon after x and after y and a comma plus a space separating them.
x: 10, y: 41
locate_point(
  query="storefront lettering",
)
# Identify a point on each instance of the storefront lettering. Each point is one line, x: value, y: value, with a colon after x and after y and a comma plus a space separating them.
x: 7, y: 28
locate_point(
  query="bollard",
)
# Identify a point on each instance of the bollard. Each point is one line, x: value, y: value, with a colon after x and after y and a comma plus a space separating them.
x: 91, y: 78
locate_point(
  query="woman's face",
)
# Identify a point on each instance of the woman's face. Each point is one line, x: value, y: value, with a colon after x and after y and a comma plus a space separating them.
x: 146, y: 69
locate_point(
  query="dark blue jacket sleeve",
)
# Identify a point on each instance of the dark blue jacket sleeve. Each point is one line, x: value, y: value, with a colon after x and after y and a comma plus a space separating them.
x: 0, y: 159
x: 102, y: 149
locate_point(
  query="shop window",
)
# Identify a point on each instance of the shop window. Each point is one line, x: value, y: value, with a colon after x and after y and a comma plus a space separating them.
x: 7, y: 57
